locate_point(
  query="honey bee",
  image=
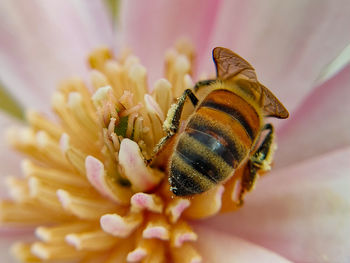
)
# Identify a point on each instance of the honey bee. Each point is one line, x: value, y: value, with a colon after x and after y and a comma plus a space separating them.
x: 225, y: 129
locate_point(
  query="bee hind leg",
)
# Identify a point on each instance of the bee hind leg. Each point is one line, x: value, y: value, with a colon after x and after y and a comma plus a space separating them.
x: 172, y: 121
x: 261, y: 160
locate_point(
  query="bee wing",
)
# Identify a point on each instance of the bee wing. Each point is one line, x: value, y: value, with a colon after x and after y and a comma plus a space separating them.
x: 272, y: 107
x: 229, y: 64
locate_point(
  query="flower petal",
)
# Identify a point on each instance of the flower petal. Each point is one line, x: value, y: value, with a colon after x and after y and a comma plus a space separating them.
x: 320, y: 124
x: 151, y: 29
x: 302, y: 212
x: 131, y: 159
x: 215, y: 246
x: 289, y: 44
x: 43, y: 42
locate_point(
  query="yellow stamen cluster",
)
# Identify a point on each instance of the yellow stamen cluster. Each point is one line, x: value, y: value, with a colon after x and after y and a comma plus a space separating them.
x: 86, y: 186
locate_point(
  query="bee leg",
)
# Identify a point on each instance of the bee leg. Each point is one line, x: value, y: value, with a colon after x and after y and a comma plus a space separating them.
x: 261, y: 160
x: 203, y: 83
x: 172, y: 122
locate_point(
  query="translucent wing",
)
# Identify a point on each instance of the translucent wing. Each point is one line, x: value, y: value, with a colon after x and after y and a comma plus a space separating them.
x: 272, y: 107
x: 228, y: 65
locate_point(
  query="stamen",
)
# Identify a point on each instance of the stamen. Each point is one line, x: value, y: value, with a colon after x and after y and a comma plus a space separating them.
x: 119, y: 226
x: 142, y: 177
x: 86, y: 122
x: 150, y: 202
x: 38, y: 122
x: 137, y: 75
x: 237, y: 190
x: 41, y: 147
x: 120, y: 254
x: 144, y: 248
x: 177, y: 66
x: 185, y: 254
x: 130, y: 61
x: 131, y: 110
x: 137, y: 255
x: 101, y: 95
x: 232, y: 197
x: 206, y: 204
x: 157, y: 227
x: 76, y: 84
x: 180, y: 233
x: 19, y: 190
x: 162, y: 93
x: 30, y: 212
x: 96, y: 175
x: 58, y: 233
x: 45, y: 194
x: 54, y: 176
x: 183, y: 46
x: 75, y: 156
x: 126, y: 99
x: 98, y: 79
x: 130, y: 126
x: 86, y: 207
x: 92, y: 240
x: 50, y: 148
x: 116, y: 75
x: 188, y: 82
x: 73, y: 117
x: 98, y: 58
x: 60, y: 251
x: 156, y: 118
x: 153, y: 107
x: 138, y: 127
x: 157, y: 255
x: 176, y: 207
x: 23, y: 253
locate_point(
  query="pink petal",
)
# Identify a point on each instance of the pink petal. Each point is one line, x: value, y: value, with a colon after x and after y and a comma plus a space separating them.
x: 120, y: 226
x: 142, y: 177
x: 301, y: 212
x: 289, y: 44
x: 9, y: 160
x: 321, y: 124
x: 95, y: 173
x: 144, y: 201
x: 43, y: 42
x: 215, y: 246
x: 150, y: 29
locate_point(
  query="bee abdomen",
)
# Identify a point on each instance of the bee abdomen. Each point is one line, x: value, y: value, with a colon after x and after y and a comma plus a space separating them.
x: 217, y: 138
x: 195, y: 167
x: 234, y: 106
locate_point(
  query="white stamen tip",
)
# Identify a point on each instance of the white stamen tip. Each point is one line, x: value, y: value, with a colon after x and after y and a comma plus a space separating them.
x: 100, y: 95
x: 182, y: 64
x: 42, y: 138
x: 64, y: 142
x: 136, y: 255
x: 158, y: 232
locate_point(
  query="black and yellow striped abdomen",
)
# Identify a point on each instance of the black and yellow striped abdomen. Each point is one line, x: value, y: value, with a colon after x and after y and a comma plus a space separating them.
x: 216, y: 139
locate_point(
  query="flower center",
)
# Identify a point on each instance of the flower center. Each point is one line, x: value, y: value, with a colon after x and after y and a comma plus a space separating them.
x: 87, y: 187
